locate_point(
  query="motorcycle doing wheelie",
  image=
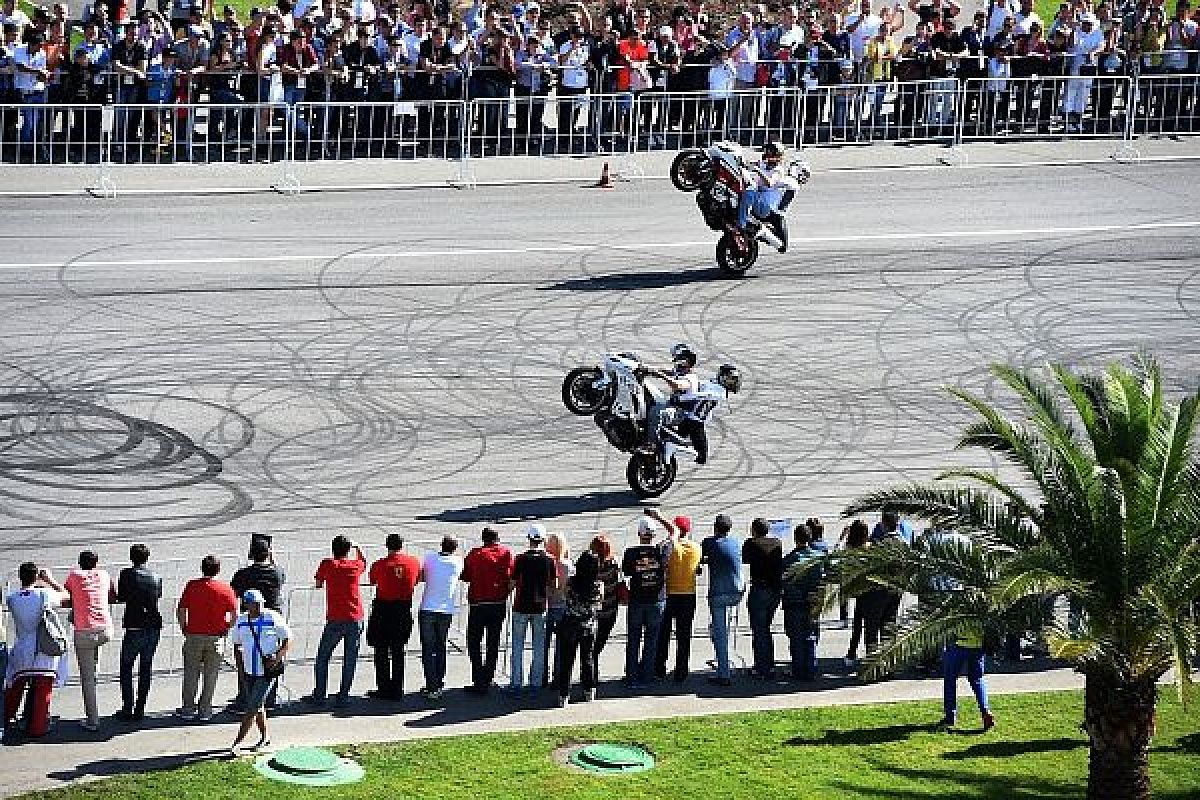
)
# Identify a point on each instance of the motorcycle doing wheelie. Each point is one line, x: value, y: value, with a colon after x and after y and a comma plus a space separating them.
x: 720, y: 174
x: 618, y: 397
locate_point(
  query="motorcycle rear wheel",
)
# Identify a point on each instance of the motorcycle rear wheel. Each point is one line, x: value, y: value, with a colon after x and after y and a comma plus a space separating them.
x: 690, y: 171
x: 649, y: 476
x: 734, y: 261
x: 579, y: 395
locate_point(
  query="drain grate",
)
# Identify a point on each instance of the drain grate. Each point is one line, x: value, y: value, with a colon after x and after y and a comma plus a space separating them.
x: 308, y: 766
x: 607, y: 758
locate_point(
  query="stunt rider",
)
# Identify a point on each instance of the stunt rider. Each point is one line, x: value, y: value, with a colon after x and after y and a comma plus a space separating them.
x: 767, y: 194
x: 694, y: 418
x: 684, y: 384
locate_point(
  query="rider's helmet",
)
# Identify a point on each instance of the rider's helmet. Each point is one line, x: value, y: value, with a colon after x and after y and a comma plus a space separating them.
x: 773, y: 152
x: 683, y: 354
x: 729, y: 377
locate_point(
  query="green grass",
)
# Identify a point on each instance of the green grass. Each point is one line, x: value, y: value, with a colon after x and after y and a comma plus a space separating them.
x: 875, y: 751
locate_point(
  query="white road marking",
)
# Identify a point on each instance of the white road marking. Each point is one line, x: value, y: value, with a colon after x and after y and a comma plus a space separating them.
x: 358, y: 255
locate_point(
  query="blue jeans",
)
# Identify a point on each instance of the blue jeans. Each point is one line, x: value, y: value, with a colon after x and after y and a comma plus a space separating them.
x: 803, y: 632
x: 719, y: 607
x: 291, y: 96
x: 31, y: 115
x: 763, y: 202
x: 641, y: 650
x: 434, y: 628
x: 350, y: 634
x: 520, y: 624
x: 954, y: 660
x: 137, y: 645
x: 761, y: 605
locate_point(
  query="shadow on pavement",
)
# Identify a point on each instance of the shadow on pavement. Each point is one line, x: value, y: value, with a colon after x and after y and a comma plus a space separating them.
x: 638, y: 280
x: 536, y: 508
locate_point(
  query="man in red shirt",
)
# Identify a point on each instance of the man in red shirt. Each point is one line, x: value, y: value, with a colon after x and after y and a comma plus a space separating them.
x: 207, y: 610
x: 487, y: 571
x: 339, y: 576
x: 391, y: 620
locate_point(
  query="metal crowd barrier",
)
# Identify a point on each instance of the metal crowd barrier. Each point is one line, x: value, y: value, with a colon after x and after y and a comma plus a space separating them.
x: 942, y: 111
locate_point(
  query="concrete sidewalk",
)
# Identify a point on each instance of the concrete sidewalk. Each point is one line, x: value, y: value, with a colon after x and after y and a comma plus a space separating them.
x: 70, y: 754
x: 226, y: 178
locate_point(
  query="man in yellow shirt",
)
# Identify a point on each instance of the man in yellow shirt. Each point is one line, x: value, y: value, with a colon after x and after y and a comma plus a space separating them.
x: 881, y: 52
x: 683, y: 564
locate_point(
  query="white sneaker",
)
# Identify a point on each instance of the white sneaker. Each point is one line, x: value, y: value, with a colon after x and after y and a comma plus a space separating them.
x: 848, y: 661
x: 563, y: 700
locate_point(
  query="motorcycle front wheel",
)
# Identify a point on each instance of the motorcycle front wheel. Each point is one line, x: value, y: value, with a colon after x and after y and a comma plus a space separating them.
x: 579, y: 394
x: 649, y: 476
x: 733, y: 261
x: 690, y: 170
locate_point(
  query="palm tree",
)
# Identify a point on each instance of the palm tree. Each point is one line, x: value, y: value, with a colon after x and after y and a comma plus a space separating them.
x: 1108, y: 516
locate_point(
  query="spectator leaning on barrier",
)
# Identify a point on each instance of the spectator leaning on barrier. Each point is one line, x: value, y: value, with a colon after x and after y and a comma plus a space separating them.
x: 440, y: 572
x: 608, y: 572
x: 26, y: 663
x: 763, y: 554
x: 91, y: 590
x: 683, y: 564
x: 206, y: 610
x: 261, y: 640
x: 340, y: 577
x: 487, y: 571
x: 140, y: 590
x: 390, y: 625
x: 532, y: 578
x: 801, y: 614
x: 264, y: 575
x: 577, y: 632
x: 556, y: 603
x: 722, y: 553
x: 645, y: 566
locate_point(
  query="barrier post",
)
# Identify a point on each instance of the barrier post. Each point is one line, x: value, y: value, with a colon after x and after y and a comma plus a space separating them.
x: 105, y: 183
x: 289, y: 182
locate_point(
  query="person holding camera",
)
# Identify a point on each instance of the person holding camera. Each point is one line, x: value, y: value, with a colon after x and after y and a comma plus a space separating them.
x: 339, y: 577
x: 261, y: 639
x: 264, y: 575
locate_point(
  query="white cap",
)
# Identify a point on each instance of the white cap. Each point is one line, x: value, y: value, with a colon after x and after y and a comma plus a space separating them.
x: 646, y: 526
x: 536, y: 532
x: 665, y: 31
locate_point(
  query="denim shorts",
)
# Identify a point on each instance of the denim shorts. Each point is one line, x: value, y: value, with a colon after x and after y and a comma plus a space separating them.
x: 256, y: 695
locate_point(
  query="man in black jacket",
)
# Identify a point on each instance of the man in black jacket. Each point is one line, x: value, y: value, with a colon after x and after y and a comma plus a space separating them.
x: 264, y: 575
x: 139, y: 589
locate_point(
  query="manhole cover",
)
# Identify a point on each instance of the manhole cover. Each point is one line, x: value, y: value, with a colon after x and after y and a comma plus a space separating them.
x: 606, y: 758
x: 308, y: 766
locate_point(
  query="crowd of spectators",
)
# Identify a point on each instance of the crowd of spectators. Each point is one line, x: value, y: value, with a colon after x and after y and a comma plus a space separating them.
x: 579, y: 77
x: 564, y: 607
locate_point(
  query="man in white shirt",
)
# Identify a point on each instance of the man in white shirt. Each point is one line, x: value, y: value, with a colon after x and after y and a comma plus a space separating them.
x: 261, y: 639
x: 440, y: 572
x: 1026, y: 18
x: 1085, y: 47
x: 29, y: 82
x: 12, y: 13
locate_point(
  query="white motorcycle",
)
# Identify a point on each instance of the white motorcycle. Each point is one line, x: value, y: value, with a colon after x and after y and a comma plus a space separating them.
x: 617, y: 396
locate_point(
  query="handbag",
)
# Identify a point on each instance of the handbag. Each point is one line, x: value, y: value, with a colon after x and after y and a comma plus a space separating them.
x: 273, y: 666
x: 51, y: 635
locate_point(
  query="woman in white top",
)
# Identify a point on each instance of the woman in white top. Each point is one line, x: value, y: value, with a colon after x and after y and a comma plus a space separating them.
x: 38, y: 591
x: 560, y: 554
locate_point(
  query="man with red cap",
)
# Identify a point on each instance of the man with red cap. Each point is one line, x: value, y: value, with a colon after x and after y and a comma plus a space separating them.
x: 683, y: 563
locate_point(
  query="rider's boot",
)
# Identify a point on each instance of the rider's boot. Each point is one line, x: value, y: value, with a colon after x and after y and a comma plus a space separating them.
x: 779, y: 225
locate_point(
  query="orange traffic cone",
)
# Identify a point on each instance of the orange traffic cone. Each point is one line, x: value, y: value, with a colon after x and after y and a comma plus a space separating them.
x: 605, y: 179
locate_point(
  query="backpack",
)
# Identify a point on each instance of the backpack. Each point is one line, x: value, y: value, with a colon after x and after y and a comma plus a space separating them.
x: 51, y: 634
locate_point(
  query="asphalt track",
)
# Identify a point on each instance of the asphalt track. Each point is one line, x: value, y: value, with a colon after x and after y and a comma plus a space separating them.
x: 187, y: 370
